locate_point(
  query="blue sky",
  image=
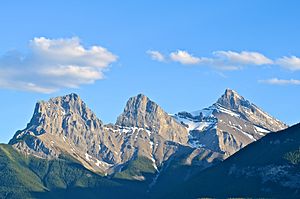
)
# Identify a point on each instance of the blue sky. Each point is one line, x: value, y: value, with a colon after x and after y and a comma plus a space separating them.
x: 182, y: 54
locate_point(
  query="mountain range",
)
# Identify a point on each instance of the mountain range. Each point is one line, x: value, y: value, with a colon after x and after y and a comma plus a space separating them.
x: 67, y: 151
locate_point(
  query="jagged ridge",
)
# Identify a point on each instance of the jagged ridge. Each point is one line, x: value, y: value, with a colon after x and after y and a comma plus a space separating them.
x: 65, y: 125
x: 228, y: 125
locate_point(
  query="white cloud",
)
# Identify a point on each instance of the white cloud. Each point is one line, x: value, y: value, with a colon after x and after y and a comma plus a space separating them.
x: 156, y: 55
x: 221, y: 60
x: 184, y: 57
x: 244, y: 57
x: 276, y: 81
x: 52, y: 64
x: 291, y: 63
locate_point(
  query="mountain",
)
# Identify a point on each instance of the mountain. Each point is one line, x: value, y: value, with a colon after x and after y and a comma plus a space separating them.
x: 146, y: 146
x: 228, y: 125
x: 63, y: 125
x: 216, y: 133
x: 141, y: 112
x: 267, y: 168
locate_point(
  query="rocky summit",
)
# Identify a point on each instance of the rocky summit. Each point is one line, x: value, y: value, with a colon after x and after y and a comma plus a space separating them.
x: 143, y: 113
x: 65, y: 126
x: 228, y: 125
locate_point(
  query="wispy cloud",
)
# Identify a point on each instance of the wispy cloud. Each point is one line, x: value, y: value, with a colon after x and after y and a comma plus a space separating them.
x: 244, y: 57
x: 52, y: 64
x: 156, y: 55
x: 222, y: 60
x: 276, y: 81
x: 291, y: 63
x: 184, y: 57
x: 231, y: 60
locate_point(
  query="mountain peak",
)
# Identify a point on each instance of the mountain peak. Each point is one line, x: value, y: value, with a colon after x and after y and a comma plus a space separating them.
x: 140, y: 99
x: 232, y: 100
x: 141, y: 95
x: 61, y: 112
x: 136, y: 111
x: 229, y: 91
x: 62, y: 104
x: 72, y: 97
x: 55, y: 124
x: 142, y: 112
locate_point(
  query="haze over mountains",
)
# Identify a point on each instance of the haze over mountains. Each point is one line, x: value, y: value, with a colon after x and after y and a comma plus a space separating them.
x: 146, y: 144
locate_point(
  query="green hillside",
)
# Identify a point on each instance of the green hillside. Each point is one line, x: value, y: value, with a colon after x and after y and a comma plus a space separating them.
x: 29, y: 177
x: 17, y: 180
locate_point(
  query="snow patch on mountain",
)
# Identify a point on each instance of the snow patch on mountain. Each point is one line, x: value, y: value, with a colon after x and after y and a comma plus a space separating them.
x: 221, y: 109
x: 261, y: 130
x: 88, y: 157
x: 206, y: 112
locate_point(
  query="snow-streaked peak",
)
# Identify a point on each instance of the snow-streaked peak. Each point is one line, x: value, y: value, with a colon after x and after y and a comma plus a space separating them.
x: 232, y: 121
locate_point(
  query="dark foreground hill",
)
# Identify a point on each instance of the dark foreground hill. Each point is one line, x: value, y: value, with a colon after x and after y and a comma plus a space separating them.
x: 268, y: 168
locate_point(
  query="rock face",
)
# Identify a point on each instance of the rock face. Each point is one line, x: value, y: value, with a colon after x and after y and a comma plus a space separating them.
x: 62, y: 125
x: 228, y: 125
x: 231, y: 100
x: 66, y: 126
x: 141, y: 112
